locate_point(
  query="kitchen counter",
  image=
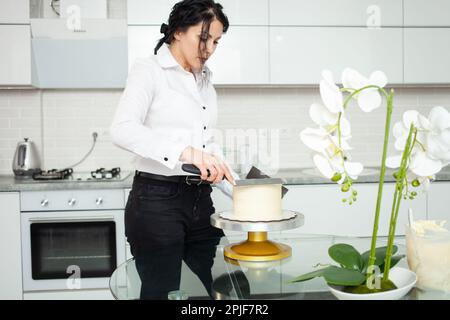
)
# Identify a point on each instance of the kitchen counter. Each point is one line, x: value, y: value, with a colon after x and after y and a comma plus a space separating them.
x: 290, y: 177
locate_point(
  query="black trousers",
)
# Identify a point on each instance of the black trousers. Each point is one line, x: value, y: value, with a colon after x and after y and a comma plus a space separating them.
x: 167, y: 223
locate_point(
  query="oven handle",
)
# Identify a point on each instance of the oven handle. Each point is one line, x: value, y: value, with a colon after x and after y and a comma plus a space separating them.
x: 69, y: 219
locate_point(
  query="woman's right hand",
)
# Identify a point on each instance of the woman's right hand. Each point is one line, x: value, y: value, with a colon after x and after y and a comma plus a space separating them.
x: 206, y: 161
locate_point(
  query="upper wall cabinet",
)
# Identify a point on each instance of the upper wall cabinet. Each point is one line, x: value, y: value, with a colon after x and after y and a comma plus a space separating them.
x: 15, y: 11
x: 229, y: 63
x: 241, y: 57
x: 420, y: 13
x: 155, y: 12
x: 94, y: 56
x: 299, y: 54
x: 141, y: 42
x: 15, y: 55
x: 427, y: 52
x: 371, y: 13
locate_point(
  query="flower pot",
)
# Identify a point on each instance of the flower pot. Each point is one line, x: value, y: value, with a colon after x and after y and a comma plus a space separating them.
x: 403, y: 278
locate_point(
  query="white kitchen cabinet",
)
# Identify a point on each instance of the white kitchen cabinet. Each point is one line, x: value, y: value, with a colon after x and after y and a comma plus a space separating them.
x: 418, y: 13
x: 15, y: 11
x: 299, y: 54
x: 326, y: 214
x: 10, y: 247
x: 155, y: 12
x: 141, y: 42
x: 241, y: 57
x: 15, y: 55
x: 144, y: 12
x: 439, y: 201
x: 371, y: 13
x: 427, y: 52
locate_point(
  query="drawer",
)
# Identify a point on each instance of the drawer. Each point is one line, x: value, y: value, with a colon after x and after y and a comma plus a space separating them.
x: 72, y: 200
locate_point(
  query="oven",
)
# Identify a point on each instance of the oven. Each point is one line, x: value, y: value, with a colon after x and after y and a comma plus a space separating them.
x: 71, y: 239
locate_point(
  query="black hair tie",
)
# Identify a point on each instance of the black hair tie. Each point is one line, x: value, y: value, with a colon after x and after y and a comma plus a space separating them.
x: 164, y: 28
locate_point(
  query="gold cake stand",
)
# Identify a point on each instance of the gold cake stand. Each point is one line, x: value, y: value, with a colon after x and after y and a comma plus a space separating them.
x: 257, y: 247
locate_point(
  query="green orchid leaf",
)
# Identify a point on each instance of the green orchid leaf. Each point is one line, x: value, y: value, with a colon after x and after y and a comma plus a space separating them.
x: 346, y: 255
x: 380, y: 255
x: 343, y: 277
x: 394, y: 260
x: 310, y: 275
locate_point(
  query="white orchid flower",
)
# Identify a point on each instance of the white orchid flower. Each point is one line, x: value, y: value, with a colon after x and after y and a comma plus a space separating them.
x: 315, y: 139
x: 432, y: 149
x: 437, y: 131
x: 400, y: 129
x: 368, y: 99
x: 329, y: 166
x: 330, y: 93
x: 328, y: 120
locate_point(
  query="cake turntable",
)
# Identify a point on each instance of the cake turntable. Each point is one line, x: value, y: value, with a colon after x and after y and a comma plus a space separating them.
x: 258, y: 247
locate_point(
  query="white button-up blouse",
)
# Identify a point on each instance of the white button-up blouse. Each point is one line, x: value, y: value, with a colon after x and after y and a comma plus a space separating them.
x: 162, y: 110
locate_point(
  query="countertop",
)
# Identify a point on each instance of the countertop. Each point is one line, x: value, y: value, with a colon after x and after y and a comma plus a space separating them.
x: 299, y: 176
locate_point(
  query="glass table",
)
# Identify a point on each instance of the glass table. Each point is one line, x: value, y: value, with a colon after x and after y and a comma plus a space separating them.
x: 234, y: 280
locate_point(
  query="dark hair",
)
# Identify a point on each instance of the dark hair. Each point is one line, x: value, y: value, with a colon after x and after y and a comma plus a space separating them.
x: 188, y: 13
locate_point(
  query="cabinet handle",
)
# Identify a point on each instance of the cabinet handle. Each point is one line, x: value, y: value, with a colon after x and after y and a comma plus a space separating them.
x: 98, y: 201
x: 72, y: 202
x: 44, y: 203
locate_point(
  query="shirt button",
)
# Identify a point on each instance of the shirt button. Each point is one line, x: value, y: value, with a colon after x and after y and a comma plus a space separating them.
x: 165, y: 159
x: 204, y: 108
x: 204, y: 128
x: 203, y: 146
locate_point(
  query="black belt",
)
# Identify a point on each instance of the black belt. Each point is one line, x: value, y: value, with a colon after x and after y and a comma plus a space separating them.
x: 185, y: 179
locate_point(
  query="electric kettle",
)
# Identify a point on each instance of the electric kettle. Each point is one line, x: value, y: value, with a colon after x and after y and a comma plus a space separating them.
x: 26, y: 160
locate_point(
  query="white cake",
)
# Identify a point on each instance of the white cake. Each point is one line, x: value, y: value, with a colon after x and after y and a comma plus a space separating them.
x: 257, y: 202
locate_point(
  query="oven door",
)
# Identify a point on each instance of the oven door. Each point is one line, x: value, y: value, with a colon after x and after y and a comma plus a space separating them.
x: 71, y: 249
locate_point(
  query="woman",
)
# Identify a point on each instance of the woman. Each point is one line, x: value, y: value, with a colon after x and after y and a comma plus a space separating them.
x: 166, y: 116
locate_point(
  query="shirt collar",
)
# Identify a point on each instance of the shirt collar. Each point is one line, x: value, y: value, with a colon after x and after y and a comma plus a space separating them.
x: 165, y: 57
x: 167, y: 60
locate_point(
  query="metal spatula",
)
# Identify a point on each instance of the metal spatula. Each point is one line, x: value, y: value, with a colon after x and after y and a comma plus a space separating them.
x: 254, y: 177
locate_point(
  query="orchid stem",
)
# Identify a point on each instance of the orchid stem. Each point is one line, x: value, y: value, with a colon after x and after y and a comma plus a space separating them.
x: 397, y: 199
x: 372, y: 257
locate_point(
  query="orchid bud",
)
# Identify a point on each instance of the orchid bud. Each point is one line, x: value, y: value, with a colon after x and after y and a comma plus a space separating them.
x: 415, y: 183
x: 337, y: 176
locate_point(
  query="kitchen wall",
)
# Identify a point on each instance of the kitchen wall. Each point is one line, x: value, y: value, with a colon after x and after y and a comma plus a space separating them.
x: 61, y: 123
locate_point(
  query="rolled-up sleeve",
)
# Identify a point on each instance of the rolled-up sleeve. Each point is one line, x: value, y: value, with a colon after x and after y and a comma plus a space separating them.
x: 128, y: 130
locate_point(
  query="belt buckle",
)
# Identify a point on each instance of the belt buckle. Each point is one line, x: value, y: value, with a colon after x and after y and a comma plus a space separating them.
x: 188, y: 181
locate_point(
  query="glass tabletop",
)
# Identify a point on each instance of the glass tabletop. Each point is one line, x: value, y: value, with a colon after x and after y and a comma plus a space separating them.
x: 233, y: 280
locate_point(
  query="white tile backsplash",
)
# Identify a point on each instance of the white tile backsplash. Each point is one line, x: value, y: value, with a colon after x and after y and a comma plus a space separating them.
x: 61, y: 123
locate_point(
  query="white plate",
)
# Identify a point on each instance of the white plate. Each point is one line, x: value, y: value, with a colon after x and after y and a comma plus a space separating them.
x: 229, y: 215
x: 403, y: 278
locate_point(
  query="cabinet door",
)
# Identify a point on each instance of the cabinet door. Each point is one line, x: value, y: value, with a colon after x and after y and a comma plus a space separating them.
x: 326, y: 214
x: 15, y: 55
x: 299, y: 54
x: 427, y: 52
x: 10, y: 247
x: 241, y: 57
x: 15, y: 11
x: 141, y: 42
x: 370, y: 13
x: 439, y: 201
x: 149, y: 12
x: 419, y: 13
x: 155, y: 12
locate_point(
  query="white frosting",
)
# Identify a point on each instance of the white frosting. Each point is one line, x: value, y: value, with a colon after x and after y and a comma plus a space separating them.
x: 257, y: 202
x: 428, y: 253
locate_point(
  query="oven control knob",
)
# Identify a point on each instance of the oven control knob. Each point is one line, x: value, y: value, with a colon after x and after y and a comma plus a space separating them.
x: 44, y: 203
x: 72, y: 202
x: 99, y: 201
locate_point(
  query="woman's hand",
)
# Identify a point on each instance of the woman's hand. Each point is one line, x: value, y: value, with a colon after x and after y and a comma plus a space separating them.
x: 207, y: 162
